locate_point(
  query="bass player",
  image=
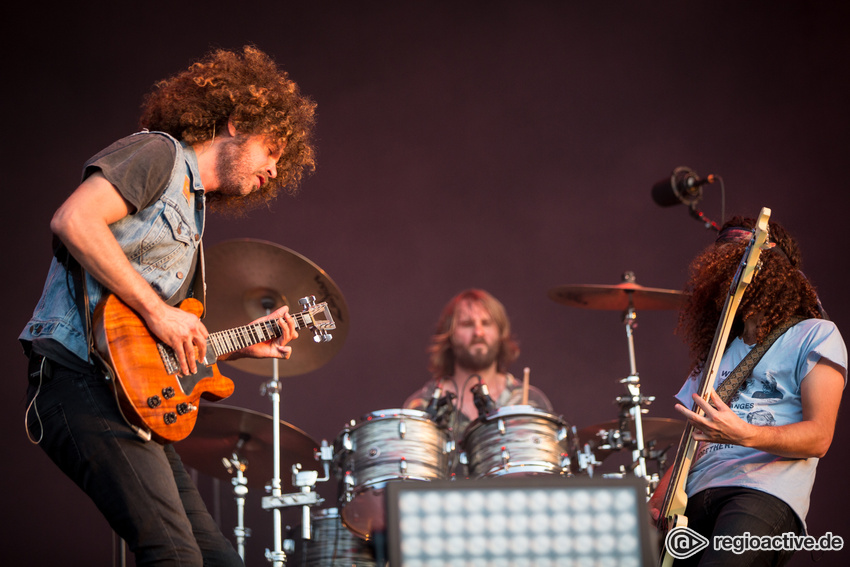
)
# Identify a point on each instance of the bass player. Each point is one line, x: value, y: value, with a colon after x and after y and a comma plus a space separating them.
x: 755, y: 461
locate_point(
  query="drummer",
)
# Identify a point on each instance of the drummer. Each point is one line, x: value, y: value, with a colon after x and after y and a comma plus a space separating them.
x: 473, y: 345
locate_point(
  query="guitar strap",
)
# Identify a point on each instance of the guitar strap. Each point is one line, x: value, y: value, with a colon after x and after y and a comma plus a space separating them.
x: 81, y: 296
x: 730, y: 385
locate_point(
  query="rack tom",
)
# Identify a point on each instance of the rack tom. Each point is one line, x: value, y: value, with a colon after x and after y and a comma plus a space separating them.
x: 516, y: 440
x: 385, y: 446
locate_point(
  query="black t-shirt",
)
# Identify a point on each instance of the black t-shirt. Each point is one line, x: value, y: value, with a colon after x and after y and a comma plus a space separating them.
x: 139, y: 166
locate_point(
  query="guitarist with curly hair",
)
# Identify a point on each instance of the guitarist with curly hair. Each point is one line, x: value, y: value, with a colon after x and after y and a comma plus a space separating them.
x: 226, y: 134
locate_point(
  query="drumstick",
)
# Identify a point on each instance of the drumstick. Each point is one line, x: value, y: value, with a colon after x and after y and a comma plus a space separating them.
x: 525, y: 374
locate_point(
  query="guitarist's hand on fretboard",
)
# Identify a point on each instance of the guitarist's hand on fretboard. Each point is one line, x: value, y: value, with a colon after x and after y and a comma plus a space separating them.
x: 275, y: 348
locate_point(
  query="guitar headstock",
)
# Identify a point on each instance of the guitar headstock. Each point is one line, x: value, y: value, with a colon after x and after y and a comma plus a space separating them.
x: 757, y: 244
x: 317, y: 318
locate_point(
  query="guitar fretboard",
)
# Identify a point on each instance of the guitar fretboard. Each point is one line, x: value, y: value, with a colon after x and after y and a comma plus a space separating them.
x: 223, y: 342
x: 230, y: 340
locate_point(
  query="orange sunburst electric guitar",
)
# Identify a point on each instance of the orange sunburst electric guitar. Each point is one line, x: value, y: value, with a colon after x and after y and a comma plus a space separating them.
x: 156, y: 400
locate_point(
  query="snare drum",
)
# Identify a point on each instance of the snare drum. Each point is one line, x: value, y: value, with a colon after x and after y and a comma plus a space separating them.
x: 516, y: 440
x: 331, y: 545
x: 383, y: 446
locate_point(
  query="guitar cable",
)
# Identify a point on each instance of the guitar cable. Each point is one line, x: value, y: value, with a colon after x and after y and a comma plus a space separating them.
x: 32, y: 405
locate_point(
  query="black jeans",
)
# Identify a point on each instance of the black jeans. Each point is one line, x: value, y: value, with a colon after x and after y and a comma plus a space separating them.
x: 734, y: 511
x: 141, y: 487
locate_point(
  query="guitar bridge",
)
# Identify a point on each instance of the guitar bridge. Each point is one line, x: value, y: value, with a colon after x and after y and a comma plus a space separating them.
x: 168, y: 359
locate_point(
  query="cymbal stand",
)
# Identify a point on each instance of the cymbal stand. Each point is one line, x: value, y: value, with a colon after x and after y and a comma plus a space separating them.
x: 272, y: 388
x: 306, y: 480
x: 240, y: 489
x: 277, y: 557
x: 634, y: 402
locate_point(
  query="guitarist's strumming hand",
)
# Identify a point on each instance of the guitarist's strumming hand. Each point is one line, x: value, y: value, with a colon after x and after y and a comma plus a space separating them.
x: 275, y: 348
x: 184, y: 333
x: 719, y: 424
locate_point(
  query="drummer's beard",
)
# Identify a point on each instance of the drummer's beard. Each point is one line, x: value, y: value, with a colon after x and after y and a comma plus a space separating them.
x: 475, y: 360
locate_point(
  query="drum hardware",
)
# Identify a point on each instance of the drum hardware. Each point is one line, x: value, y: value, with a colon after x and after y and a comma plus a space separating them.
x: 627, y: 297
x: 250, y: 279
x: 332, y: 544
x: 236, y: 466
x: 247, y: 437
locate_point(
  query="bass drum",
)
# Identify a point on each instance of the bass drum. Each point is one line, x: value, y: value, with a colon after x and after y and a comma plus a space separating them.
x: 516, y: 440
x: 331, y: 544
x: 385, y: 446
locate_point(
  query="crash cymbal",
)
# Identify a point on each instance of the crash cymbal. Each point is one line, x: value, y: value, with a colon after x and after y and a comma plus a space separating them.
x: 222, y: 430
x: 661, y: 432
x: 246, y: 277
x: 616, y: 297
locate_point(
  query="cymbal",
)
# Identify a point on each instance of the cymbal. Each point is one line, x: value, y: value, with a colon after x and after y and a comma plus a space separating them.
x: 662, y: 431
x: 616, y: 297
x: 224, y: 430
x: 245, y: 277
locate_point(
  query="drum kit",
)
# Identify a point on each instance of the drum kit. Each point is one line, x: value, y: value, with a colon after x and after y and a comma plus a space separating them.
x: 251, y: 278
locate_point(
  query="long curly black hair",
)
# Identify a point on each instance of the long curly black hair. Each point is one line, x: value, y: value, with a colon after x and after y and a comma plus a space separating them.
x: 778, y: 291
x: 249, y: 90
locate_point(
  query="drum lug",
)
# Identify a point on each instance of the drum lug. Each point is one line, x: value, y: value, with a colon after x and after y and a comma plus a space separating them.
x: 348, y: 483
x: 562, y: 433
x: 402, y: 466
x: 450, y: 446
x: 506, y: 456
x: 402, y: 428
x: 462, y: 458
x: 346, y: 441
x: 501, y: 426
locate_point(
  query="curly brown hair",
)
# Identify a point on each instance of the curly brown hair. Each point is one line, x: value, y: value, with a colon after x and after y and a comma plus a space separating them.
x: 778, y: 291
x: 249, y: 90
x: 442, y: 356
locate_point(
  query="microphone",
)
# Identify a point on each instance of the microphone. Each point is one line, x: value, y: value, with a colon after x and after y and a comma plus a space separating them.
x: 434, y: 404
x: 483, y: 402
x: 683, y: 187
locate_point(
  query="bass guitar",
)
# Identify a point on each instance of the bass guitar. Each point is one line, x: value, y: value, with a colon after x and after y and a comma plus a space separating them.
x: 672, y: 511
x: 155, y: 398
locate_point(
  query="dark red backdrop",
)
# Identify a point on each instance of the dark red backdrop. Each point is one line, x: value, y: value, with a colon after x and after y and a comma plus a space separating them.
x: 504, y: 145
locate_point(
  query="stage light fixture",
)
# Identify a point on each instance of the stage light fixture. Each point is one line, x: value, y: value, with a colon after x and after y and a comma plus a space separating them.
x: 529, y: 521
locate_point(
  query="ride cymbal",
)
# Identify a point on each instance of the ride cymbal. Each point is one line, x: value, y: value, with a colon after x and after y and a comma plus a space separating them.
x: 616, y: 297
x: 247, y: 278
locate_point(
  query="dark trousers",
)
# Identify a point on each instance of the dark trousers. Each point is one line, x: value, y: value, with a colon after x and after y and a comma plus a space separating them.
x: 141, y: 487
x: 735, y: 511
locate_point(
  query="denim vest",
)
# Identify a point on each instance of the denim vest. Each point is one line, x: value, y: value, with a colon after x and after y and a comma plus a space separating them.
x: 160, y: 241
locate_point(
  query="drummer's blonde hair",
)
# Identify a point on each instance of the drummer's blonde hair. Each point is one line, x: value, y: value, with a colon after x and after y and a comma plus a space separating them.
x: 442, y: 361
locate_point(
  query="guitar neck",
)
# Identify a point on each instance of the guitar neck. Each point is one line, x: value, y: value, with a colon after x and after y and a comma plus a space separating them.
x: 231, y: 340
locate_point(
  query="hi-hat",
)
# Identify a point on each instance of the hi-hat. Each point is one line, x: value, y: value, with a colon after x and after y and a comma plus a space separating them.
x: 248, y: 278
x: 617, y: 297
x: 223, y: 430
x: 658, y: 432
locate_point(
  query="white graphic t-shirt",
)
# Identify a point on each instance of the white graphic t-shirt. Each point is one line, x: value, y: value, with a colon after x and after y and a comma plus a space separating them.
x: 770, y: 396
